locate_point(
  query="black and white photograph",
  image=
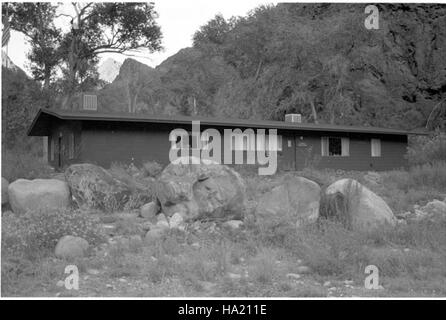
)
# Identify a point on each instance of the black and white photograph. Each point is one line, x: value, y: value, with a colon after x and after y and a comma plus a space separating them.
x: 223, y: 150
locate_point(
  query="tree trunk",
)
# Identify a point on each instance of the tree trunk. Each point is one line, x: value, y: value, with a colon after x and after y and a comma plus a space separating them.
x: 313, y: 111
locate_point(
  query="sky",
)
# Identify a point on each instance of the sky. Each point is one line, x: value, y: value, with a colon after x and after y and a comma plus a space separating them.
x: 178, y: 21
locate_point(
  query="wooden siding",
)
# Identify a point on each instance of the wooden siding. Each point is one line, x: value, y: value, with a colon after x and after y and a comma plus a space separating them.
x: 393, y: 151
x: 102, y: 143
x: 63, y: 129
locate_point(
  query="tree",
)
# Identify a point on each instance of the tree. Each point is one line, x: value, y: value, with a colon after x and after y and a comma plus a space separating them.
x: 36, y: 22
x: 96, y: 28
x: 107, y: 27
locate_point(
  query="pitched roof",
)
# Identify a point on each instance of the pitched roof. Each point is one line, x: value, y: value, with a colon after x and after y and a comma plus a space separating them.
x: 40, y: 124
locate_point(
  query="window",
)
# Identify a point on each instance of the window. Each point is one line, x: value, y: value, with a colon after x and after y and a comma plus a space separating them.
x: 334, y: 146
x: 51, y: 148
x: 376, y: 148
x: 71, y: 146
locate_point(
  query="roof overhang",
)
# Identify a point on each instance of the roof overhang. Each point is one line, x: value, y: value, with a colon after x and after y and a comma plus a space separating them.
x: 41, y: 124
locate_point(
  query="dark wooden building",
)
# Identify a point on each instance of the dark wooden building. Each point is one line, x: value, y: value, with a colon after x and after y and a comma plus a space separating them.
x: 100, y: 138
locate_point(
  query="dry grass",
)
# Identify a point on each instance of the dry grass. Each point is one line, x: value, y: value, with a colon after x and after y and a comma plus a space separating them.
x: 411, y: 258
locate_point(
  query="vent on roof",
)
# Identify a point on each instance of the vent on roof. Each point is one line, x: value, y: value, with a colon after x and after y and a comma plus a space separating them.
x: 90, y: 102
x: 293, y: 117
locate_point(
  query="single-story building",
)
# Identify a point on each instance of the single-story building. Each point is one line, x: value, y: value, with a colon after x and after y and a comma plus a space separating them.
x: 103, y: 138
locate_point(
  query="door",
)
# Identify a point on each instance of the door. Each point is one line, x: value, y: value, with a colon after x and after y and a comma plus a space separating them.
x: 288, y: 153
x: 302, y: 153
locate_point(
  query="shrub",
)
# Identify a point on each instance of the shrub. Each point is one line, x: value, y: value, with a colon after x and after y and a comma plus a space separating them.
x: 427, y: 149
x: 122, y: 173
x: 263, y: 269
x: 20, y: 164
x: 340, y: 207
x: 142, y: 191
x: 429, y: 175
x: 35, y: 233
x: 151, y: 169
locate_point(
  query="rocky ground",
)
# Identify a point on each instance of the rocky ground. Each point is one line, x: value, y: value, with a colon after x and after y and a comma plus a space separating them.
x: 287, y: 239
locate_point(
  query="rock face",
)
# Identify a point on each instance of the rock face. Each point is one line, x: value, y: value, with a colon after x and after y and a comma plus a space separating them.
x: 5, y: 185
x: 357, y: 206
x: 25, y: 195
x: 206, y: 190
x: 70, y: 247
x: 297, y: 199
x: 93, y: 187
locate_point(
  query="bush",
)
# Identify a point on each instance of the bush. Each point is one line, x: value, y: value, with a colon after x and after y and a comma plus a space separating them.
x: 151, y: 169
x: 427, y: 149
x: 263, y: 269
x: 36, y: 233
x: 340, y: 207
x: 142, y: 190
x: 429, y: 175
x: 18, y: 164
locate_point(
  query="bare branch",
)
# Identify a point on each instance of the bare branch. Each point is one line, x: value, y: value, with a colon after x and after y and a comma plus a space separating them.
x: 63, y: 15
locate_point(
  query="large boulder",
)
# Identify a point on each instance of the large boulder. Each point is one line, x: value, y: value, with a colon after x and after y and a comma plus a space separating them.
x: 70, y: 247
x: 206, y: 190
x: 93, y: 187
x: 5, y: 185
x: 357, y: 206
x: 39, y: 194
x: 296, y: 199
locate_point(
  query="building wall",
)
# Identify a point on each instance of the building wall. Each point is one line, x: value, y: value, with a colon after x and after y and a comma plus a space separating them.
x: 61, y: 131
x: 103, y: 143
x: 393, y: 151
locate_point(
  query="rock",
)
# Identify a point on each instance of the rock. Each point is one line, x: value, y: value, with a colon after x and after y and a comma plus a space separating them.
x: 176, y: 221
x: 126, y: 215
x: 296, y: 199
x: 93, y: 187
x: 93, y: 272
x: 303, y: 269
x: 60, y: 283
x: 431, y: 210
x: 109, y: 229
x: 149, y: 210
x: 233, y: 224
x: 161, y: 217
x: 5, y: 185
x: 70, y: 247
x: 39, y: 194
x: 147, y: 225
x: 357, y: 206
x: 205, y: 190
x: 154, y: 234
x: 162, y: 224
x: 293, y: 276
x: 234, y: 276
